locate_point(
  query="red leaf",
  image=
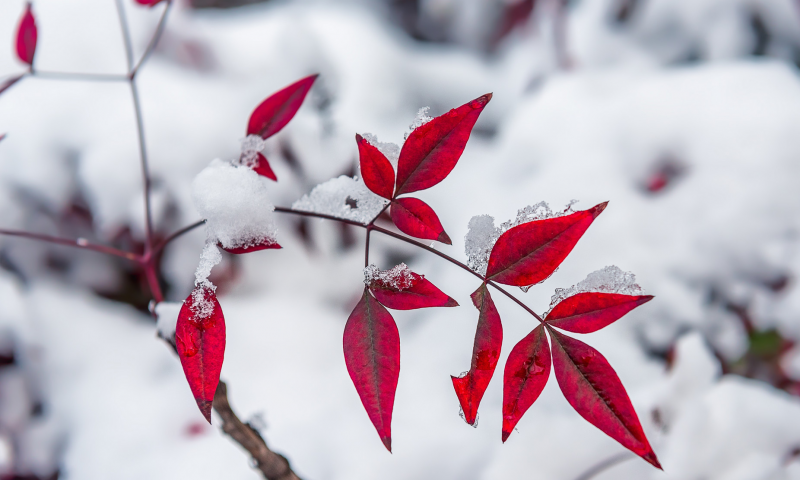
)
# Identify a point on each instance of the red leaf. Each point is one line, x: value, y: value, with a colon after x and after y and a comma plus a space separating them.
x: 529, y: 253
x: 26, y: 36
x: 432, y: 150
x: 252, y: 248
x: 526, y: 374
x: 200, y: 340
x: 3, y: 136
x: 149, y: 3
x: 376, y: 170
x: 275, y: 112
x: 414, y: 217
x: 418, y: 293
x: 9, y: 83
x: 593, y: 389
x: 588, y: 312
x: 372, y: 355
x: 485, y: 353
x: 262, y: 167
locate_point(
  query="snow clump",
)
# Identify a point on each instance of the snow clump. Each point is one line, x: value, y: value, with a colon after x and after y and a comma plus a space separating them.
x: 399, y: 277
x: 233, y: 201
x: 421, y: 119
x: 609, y: 279
x: 390, y: 150
x: 251, y: 146
x: 343, y: 197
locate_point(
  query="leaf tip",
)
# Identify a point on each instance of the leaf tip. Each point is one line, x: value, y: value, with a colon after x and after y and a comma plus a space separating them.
x: 650, y: 457
x: 451, y: 302
x: 598, y: 209
x: 387, y: 442
x: 506, y: 434
x: 205, y: 409
x: 444, y: 238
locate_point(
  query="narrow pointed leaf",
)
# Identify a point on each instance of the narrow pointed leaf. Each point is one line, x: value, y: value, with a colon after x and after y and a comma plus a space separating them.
x: 26, y: 36
x: 485, y: 353
x: 526, y: 374
x: 529, y: 253
x: 417, y: 293
x: 414, y: 217
x: 275, y: 112
x: 372, y: 355
x: 262, y: 167
x: 376, y: 170
x: 588, y: 312
x: 149, y: 3
x: 9, y: 83
x: 432, y: 150
x: 593, y: 389
x: 252, y: 248
x: 200, y: 340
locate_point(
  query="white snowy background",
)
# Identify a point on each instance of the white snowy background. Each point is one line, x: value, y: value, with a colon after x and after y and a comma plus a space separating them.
x: 598, y: 103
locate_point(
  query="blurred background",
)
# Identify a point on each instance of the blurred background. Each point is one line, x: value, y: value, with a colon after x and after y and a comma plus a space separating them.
x: 684, y: 114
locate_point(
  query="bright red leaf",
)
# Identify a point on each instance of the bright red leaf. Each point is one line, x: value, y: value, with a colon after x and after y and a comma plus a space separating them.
x: 526, y: 374
x: 588, y: 312
x: 376, y: 170
x: 372, y: 355
x: 418, y: 292
x: 432, y: 150
x: 414, y: 217
x: 485, y: 353
x: 593, y: 389
x: 26, y: 36
x: 253, y: 248
x: 8, y: 83
x: 529, y: 253
x: 200, y: 340
x: 149, y: 3
x: 275, y: 112
x: 262, y: 167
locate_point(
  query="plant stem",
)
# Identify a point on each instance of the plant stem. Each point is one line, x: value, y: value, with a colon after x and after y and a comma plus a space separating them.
x: 604, y: 465
x: 88, y: 77
x: 126, y: 34
x: 77, y: 243
x: 154, y: 40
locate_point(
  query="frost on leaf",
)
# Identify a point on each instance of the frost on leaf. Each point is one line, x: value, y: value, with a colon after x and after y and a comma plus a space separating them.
x: 401, y: 289
x: 389, y: 149
x: 342, y: 197
x: 252, y: 145
x: 421, y: 119
x: 234, y: 202
x: 399, y: 277
x: 609, y: 279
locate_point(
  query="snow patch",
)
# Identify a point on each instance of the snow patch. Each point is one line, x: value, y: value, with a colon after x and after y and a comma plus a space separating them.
x: 390, y: 150
x: 421, y: 119
x: 609, y: 279
x: 251, y: 146
x: 399, y: 277
x: 167, y: 319
x: 343, y: 197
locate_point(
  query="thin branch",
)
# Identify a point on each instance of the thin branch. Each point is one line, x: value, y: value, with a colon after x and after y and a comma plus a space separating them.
x: 154, y: 40
x: 366, y: 247
x: 126, y: 34
x: 186, y: 229
x: 77, y: 243
x: 605, y: 465
x: 145, y: 168
x: 272, y: 465
x: 87, y: 77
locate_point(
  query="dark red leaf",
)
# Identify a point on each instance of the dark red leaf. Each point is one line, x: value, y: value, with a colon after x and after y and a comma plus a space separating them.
x: 588, y: 312
x: 593, y: 389
x: 200, y: 340
x: 9, y: 83
x: 275, y: 112
x: 485, y: 353
x: 376, y: 170
x: 372, y: 355
x: 432, y: 150
x: 149, y: 3
x: 529, y: 253
x: 262, y: 167
x: 526, y: 374
x: 417, y: 293
x: 252, y: 248
x: 26, y: 36
x: 414, y: 217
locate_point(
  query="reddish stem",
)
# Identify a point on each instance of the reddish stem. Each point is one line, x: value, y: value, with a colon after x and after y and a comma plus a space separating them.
x: 77, y: 243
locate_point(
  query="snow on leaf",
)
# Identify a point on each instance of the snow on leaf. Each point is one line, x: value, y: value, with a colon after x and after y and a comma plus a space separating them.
x: 251, y: 156
x: 421, y: 119
x: 342, y: 197
x: 432, y: 150
x: 390, y: 150
x: 372, y: 355
x: 590, y: 311
x: 209, y: 258
x: 401, y: 289
x: 485, y: 353
x: 26, y: 36
x: 200, y: 341
x: 529, y: 253
x: 376, y: 170
x: 414, y: 217
x: 593, y: 389
x: 526, y: 373
x: 277, y: 110
x: 610, y: 279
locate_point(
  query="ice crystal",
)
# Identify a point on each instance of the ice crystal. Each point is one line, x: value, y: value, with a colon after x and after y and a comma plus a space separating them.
x: 390, y: 150
x: 610, y: 279
x: 343, y: 197
x: 421, y: 119
x: 399, y: 277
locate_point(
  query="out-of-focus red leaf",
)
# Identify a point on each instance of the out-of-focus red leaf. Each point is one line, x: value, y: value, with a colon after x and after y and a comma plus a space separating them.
x: 26, y: 36
x: 200, y: 340
x: 9, y: 83
x: 2, y: 136
x: 432, y: 150
x: 253, y: 248
x: 372, y: 355
x: 418, y: 293
x: 593, y: 389
x: 485, y: 353
x: 376, y: 170
x: 149, y: 3
x: 262, y: 167
x: 588, y: 312
x: 275, y: 112
x: 526, y: 374
x: 529, y: 253
x: 414, y: 217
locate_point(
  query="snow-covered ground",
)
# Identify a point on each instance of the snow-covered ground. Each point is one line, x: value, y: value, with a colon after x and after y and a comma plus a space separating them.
x: 663, y: 112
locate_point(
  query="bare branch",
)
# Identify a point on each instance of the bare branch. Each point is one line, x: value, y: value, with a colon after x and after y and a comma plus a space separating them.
x: 77, y: 243
x: 154, y: 40
x: 604, y: 465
